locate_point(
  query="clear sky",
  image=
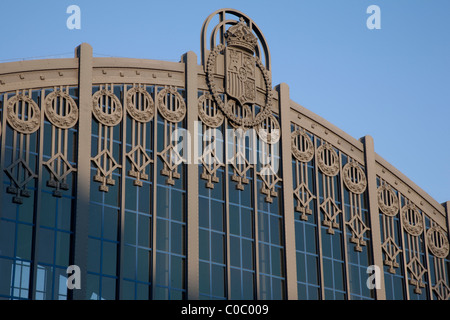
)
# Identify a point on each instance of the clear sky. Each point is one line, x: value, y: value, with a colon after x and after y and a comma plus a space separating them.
x: 392, y: 83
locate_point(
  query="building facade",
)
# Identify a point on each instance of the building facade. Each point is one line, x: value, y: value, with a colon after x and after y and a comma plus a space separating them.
x: 164, y: 180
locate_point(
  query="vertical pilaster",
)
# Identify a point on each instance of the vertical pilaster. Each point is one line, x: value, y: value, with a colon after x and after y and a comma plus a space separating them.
x: 190, y: 60
x: 85, y: 60
x: 375, y: 228
x: 289, y: 222
x: 447, y: 214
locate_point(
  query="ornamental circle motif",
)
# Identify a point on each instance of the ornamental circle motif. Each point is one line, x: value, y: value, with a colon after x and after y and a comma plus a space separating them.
x: 225, y: 107
x: 302, y: 146
x: 412, y: 220
x: 66, y: 119
x: 354, y: 177
x: 387, y: 200
x: 176, y: 110
x: 140, y: 105
x: 438, y: 242
x: 206, y: 103
x: 16, y: 117
x: 328, y: 160
x: 269, y: 130
x: 110, y: 112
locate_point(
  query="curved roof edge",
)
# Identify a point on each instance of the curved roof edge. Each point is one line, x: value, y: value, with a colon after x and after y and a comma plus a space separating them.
x: 409, y: 185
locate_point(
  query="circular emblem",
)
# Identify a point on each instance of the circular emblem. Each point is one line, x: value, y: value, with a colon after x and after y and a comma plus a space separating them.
x: 171, y: 104
x: 226, y: 107
x: 140, y: 105
x: 387, y: 200
x: 412, y: 220
x: 208, y: 111
x: 328, y: 160
x: 269, y: 130
x: 438, y: 242
x: 107, y: 108
x: 61, y: 110
x: 302, y: 146
x: 354, y: 177
x: 23, y: 114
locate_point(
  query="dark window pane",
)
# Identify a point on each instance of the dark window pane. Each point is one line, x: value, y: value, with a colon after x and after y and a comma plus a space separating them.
x: 109, y: 258
x: 277, y: 262
x: 162, y: 234
x: 275, y: 230
x: 162, y: 203
x: 24, y: 240
x: 127, y: 290
x: 217, y: 247
x: 130, y: 228
x: 218, y: 281
x: 299, y: 236
x: 204, y: 278
x: 143, y: 291
x: 263, y: 227
x: 236, y: 284
x: 235, y: 252
x: 177, y: 272
x: 248, y: 285
x: 326, y: 243
x: 217, y: 216
x: 129, y: 262
x: 95, y: 220
x: 247, y: 223
x: 339, y: 275
x: 177, y: 211
x: 177, y: 238
x: 46, y: 245
x: 328, y: 273
x: 301, y: 267
x: 143, y: 266
x: 94, y: 255
x: 108, y: 288
x: 204, y: 245
x: 62, y: 248
x: 354, y: 280
x: 144, y: 198
x: 312, y: 269
x: 234, y: 220
x: 301, y: 291
x: 247, y: 254
x: 130, y: 194
x: 162, y: 269
x: 203, y: 213
x: 110, y: 223
x: 264, y: 258
x: 144, y: 230
x: 310, y: 239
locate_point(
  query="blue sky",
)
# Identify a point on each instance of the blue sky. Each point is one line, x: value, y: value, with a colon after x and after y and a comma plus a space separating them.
x: 392, y: 83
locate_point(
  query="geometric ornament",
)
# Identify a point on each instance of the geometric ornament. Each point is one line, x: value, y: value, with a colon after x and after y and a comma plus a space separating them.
x: 20, y: 174
x: 328, y: 160
x: 438, y: 242
x: 354, y: 177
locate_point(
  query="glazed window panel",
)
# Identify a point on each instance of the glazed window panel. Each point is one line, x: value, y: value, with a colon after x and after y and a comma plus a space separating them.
x: 304, y: 186
x: 171, y: 195
x: 388, y: 204
x: 51, y: 114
